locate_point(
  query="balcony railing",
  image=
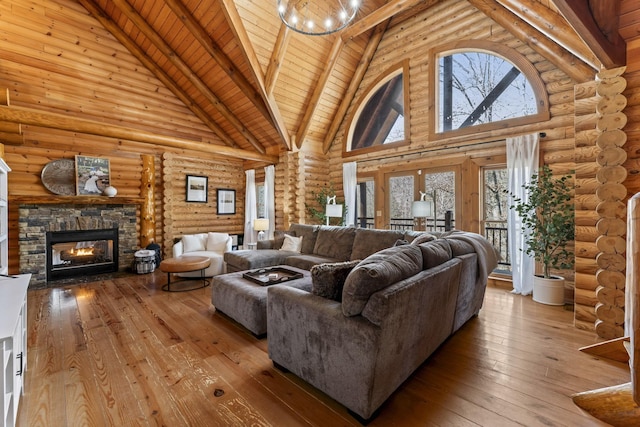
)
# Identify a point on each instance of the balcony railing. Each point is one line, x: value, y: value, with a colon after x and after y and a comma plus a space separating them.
x: 495, y: 231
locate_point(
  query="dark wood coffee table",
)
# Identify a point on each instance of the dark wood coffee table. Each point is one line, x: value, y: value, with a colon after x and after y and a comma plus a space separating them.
x: 184, y: 264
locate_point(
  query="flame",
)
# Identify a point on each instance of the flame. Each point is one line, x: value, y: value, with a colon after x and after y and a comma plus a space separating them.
x: 82, y: 251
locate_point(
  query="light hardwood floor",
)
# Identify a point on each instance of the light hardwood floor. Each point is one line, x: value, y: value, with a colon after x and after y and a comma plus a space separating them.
x: 122, y: 352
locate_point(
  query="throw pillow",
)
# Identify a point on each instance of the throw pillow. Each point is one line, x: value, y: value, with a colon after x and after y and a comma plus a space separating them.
x: 376, y: 272
x: 192, y: 243
x: 400, y: 242
x: 291, y: 243
x: 327, y: 280
x: 217, y: 242
x: 435, y: 253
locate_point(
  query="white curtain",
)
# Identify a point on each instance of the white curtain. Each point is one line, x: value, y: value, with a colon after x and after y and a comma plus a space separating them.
x: 349, y: 184
x: 250, y: 208
x: 270, y: 198
x: 522, y: 164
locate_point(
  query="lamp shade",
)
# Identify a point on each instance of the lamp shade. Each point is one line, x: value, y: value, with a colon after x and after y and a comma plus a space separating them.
x: 334, y: 210
x: 422, y: 208
x: 261, y: 224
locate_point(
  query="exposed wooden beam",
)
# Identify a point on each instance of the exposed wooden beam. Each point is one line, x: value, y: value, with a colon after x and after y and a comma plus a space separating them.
x: 135, y: 50
x: 218, y: 55
x: 235, y: 21
x: 554, y: 26
x: 320, y: 86
x: 589, y: 18
x: 277, y: 56
x: 391, y: 8
x: 33, y: 117
x: 554, y: 53
x: 350, y: 94
x: 173, y: 57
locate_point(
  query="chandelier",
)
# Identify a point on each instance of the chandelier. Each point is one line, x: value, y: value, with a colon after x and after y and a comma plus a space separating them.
x: 317, y: 17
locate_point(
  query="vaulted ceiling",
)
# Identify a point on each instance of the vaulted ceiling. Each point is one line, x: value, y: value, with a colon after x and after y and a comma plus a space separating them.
x: 262, y: 87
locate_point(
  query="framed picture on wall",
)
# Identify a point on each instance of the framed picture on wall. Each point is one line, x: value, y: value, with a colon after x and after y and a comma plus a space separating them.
x: 197, y: 188
x: 226, y: 201
x: 92, y: 175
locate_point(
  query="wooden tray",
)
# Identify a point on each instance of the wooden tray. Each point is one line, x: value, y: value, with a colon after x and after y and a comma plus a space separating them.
x: 271, y: 275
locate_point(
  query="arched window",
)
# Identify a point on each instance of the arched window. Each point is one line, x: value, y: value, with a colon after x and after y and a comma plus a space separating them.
x: 483, y: 83
x: 380, y: 120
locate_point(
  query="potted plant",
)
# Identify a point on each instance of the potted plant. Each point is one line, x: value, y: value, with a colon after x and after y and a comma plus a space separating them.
x: 317, y: 209
x: 548, y: 218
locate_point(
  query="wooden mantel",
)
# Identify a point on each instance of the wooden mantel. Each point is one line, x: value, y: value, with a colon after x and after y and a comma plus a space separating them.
x: 75, y: 200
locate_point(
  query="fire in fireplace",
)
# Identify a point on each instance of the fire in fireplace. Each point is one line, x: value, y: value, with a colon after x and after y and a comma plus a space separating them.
x: 81, y: 252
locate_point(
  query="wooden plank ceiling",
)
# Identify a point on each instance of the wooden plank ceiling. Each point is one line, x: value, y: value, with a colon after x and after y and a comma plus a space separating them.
x: 259, y: 86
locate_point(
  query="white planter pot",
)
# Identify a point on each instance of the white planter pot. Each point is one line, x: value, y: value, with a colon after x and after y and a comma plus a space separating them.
x: 548, y: 291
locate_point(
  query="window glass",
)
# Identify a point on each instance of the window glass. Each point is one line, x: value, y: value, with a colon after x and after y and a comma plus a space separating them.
x: 401, y: 195
x: 365, y: 204
x: 494, y: 211
x: 440, y: 188
x: 260, y: 202
x: 478, y: 87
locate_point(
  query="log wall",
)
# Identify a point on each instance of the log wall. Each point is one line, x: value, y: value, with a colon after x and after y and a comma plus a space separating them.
x: 417, y: 39
x: 182, y: 217
x: 79, y: 69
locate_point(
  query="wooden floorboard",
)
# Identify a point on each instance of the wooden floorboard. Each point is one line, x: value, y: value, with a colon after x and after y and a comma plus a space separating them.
x: 122, y: 352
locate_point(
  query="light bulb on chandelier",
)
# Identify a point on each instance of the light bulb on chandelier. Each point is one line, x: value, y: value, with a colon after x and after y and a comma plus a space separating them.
x: 317, y: 17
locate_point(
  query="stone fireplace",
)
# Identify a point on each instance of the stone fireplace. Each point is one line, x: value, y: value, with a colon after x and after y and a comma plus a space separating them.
x: 38, y: 220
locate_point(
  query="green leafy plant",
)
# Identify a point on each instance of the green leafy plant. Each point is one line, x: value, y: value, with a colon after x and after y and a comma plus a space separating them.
x: 549, y: 218
x: 317, y: 209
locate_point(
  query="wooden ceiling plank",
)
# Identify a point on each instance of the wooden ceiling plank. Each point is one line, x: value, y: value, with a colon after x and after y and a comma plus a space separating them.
x: 554, y: 26
x: 554, y: 53
x: 387, y: 11
x: 241, y: 36
x: 358, y: 75
x: 177, y: 62
x: 611, y: 51
x: 212, y: 48
x: 277, y: 56
x: 136, y: 51
x: 320, y: 86
x: 30, y: 116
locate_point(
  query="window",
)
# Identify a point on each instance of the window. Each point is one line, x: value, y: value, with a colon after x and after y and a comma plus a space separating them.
x: 260, y: 201
x: 494, y: 213
x: 365, y: 204
x: 401, y: 197
x: 379, y: 120
x: 440, y: 188
x: 482, y: 85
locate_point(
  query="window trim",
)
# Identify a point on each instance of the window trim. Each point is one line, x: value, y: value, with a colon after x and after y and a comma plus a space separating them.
x: 393, y: 71
x: 507, y: 53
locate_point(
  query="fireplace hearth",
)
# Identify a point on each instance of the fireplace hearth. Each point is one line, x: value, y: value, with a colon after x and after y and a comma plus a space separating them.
x: 81, y: 252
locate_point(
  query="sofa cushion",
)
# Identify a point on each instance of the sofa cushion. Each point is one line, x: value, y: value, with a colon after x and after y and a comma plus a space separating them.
x: 377, y: 272
x: 217, y: 242
x: 328, y: 279
x: 194, y: 242
x: 309, y: 233
x: 307, y: 261
x: 335, y: 242
x: 291, y: 243
x: 368, y: 241
x: 460, y: 247
x: 250, y: 259
x: 435, y: 253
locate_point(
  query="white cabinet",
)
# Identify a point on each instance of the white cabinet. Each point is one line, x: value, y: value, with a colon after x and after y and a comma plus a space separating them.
x: 4, y: 215
x: 13, y: 343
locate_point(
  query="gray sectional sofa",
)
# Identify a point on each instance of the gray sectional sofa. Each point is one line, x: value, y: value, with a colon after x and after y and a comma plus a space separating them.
x: 375, y: 305
x: 320, y: 244
x: 393, y: 310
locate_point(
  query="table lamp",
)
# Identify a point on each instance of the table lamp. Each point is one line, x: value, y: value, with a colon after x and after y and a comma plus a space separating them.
x: 261, y: 225
x: 332, y: 209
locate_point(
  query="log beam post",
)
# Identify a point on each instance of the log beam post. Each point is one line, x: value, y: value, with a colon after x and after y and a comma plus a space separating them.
x: 148, y: 210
